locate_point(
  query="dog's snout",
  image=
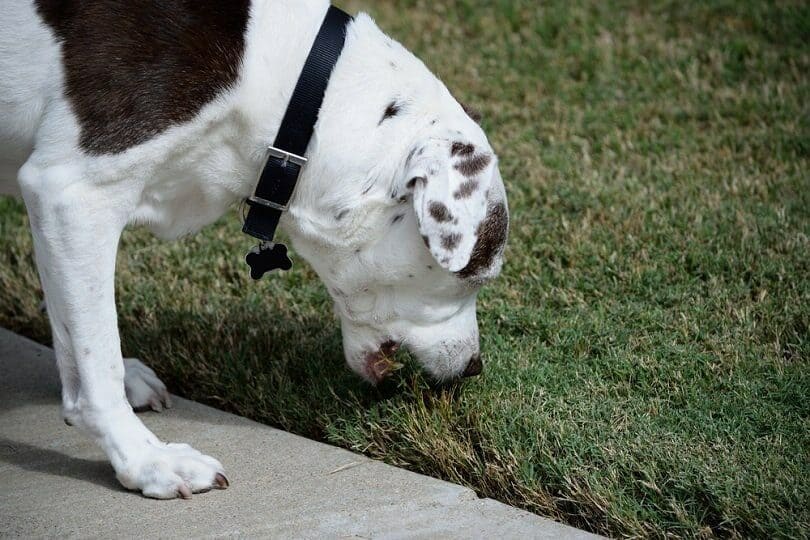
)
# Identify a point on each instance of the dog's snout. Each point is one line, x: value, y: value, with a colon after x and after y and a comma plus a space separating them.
x: 474, y: 366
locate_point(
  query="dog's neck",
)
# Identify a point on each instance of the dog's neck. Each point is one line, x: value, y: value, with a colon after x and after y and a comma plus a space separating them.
x: 279, y: 37
x: 272, y: 64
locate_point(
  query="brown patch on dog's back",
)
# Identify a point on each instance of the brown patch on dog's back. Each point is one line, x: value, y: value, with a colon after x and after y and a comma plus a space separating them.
x: 134, y: 69
x: 491, y: 239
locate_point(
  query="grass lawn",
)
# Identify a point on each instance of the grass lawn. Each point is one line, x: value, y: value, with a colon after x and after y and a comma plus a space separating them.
x: 647, y: 347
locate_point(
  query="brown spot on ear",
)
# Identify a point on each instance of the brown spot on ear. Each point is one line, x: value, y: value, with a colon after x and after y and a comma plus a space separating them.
x: 466, y: 189
x: 474, y: 165
x: 462, y: 149
x: 440, y: 212
x: 491, y: 239
x: 134, y: 69
x: 450, y: 241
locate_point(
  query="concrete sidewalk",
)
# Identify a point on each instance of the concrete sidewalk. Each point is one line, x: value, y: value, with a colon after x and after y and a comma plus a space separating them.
x: 57, y: 484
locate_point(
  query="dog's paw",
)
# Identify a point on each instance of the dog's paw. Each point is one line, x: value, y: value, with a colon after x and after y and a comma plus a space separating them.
x: 144, y: 389
x: 173, y: 470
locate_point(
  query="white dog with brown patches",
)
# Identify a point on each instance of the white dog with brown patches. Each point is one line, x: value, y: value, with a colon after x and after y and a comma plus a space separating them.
x: 159, y: 113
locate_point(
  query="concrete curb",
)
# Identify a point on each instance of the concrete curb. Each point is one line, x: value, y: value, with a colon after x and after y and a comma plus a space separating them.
x: 58, y: 484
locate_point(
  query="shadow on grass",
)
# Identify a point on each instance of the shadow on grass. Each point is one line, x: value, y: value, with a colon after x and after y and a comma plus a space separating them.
x: 280, y: 368
x: 277, y: 364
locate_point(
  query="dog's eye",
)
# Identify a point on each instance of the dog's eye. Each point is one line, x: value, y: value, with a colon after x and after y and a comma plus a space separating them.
x: 391, y: 111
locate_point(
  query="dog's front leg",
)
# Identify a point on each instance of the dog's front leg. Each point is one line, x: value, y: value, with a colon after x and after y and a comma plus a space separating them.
x: 76, y: 226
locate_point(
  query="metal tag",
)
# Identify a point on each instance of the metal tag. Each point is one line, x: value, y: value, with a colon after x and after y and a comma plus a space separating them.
x: 267, y: 257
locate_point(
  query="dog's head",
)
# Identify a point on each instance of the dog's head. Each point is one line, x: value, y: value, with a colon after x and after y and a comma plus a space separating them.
x: 401, y: 210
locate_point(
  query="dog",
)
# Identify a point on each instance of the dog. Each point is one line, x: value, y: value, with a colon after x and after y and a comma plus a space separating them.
x: 159, y: 113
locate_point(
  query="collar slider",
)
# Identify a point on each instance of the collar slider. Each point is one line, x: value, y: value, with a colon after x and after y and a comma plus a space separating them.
x: 253, y: 199
x: 285, y: 156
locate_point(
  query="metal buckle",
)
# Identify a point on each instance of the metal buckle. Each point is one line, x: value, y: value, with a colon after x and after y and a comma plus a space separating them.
x: 272, y: 151
x: 286, y: 157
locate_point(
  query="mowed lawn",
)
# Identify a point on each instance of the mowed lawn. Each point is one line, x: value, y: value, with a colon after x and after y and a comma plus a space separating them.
x: 647, y: 347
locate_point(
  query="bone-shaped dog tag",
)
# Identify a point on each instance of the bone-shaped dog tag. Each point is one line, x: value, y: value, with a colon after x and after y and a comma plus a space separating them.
x: 267, y: 257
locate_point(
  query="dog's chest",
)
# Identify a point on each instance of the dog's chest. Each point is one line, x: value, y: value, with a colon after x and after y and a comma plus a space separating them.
x: 178, y: 206
x: 190, y: 189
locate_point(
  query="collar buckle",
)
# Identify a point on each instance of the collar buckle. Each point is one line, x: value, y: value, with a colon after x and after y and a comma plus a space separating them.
x: 285, y: 157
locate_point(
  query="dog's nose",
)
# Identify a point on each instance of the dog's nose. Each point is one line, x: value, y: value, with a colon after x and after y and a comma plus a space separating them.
x: 474, y: 366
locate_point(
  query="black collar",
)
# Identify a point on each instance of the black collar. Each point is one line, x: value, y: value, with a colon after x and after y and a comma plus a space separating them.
x: 285, y: 158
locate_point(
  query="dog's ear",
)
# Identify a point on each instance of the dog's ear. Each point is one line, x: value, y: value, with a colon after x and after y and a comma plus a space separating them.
x: 450, y: 183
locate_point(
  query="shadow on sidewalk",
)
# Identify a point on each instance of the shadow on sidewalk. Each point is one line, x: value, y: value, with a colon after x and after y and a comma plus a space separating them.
x: 42, y: 460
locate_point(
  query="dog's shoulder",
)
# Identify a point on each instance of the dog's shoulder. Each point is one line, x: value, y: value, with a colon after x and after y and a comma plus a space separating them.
x: 133, y: 69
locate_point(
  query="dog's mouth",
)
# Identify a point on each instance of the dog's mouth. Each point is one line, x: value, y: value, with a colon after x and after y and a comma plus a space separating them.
x: 380, y: 364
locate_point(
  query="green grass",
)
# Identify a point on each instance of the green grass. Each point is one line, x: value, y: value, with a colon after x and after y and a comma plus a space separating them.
x: 647, y: 346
